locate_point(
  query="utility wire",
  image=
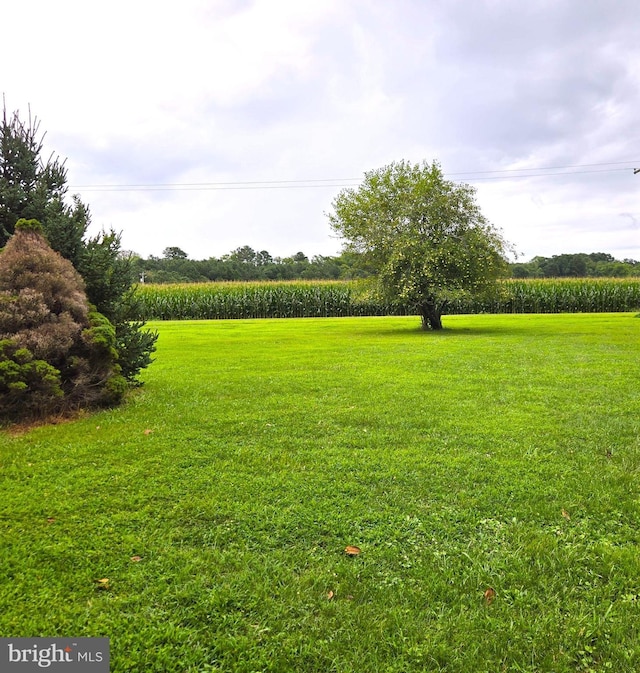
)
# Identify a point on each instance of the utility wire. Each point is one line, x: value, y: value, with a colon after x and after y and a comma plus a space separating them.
x: 542, y: 175
x: 204, y: 187
x: 249, y: 184
x: 473, y: 176
x: 550, y: 168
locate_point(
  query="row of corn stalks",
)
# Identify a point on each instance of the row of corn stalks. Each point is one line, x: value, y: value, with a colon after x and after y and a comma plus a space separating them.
x: 194, y: 301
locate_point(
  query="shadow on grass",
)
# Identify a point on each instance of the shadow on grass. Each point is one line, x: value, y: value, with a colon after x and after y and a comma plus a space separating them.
x: 501, y: 327
x: 445, y: 333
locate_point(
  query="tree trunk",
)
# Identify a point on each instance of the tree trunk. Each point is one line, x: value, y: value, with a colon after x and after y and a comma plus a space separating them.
x: 431, y: 318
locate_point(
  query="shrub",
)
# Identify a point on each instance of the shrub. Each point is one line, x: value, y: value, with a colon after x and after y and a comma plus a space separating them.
x: 59, y: 353
x: 28, y: 387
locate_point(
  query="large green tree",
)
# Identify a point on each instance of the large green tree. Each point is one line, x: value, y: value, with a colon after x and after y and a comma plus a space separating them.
x: 423, y: 236
x: 32, y: 188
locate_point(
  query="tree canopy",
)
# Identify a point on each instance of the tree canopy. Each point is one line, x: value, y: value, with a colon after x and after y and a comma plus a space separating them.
x: 423, y: 235
x: 173, y: 252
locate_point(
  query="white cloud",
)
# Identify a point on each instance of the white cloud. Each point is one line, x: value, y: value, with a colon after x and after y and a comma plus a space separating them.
x: 225, y: 91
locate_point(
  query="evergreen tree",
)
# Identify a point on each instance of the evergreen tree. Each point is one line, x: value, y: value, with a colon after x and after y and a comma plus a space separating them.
x: 31, y: 188
x: 56, y: 352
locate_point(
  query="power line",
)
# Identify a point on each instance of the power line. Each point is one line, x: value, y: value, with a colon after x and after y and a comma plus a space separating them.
x: 238, y: 182
x: 473, y: 176
x: 543, y: 175
x: 177, y: 187
x: 550, y: 168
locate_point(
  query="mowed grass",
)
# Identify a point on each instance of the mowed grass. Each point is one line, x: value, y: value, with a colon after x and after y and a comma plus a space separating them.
x: 501, y: 455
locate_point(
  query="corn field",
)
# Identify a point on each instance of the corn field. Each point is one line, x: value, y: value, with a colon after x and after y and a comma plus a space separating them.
x: 235, y: 300
x: 558, y: 295
x: 255, y: 300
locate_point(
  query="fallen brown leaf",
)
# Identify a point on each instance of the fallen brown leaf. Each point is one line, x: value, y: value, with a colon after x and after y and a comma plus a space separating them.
x: 135, y: 559
x: 148, y: 431
x: 50, y: 519
x: 102, y: 583
x: 565, y: 514
x: 489, y: 595
x: 330, y: 595
x: 350, y: 550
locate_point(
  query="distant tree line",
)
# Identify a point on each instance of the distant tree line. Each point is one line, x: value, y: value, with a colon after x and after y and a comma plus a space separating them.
x: 245, y: 263
x: 578, y: 265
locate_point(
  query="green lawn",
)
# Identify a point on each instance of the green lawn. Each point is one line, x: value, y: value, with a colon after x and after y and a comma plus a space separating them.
x: 502, y: 453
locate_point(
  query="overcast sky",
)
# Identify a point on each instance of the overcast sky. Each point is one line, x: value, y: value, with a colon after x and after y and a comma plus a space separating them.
x: 248, y: 116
